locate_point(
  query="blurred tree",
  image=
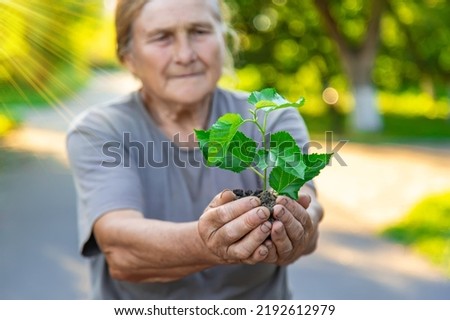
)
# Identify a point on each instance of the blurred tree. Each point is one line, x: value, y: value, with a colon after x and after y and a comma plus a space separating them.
x: 349, y: 44
x: 416, y: 40
x: 357, y: 53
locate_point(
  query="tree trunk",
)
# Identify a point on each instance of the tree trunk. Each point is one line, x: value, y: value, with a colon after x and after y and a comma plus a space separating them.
x: 358, y: 63
x: 365, y: 116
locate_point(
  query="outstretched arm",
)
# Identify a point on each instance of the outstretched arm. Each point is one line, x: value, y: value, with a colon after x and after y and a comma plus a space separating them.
x: 146, y: 250
x: 139, y: 250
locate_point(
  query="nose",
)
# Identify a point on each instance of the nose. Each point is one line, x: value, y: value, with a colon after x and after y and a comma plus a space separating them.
x: 184, y: 50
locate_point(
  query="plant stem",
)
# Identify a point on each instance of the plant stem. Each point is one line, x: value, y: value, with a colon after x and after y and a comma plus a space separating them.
x: 255, y: 121
x: 257, y: 172
x: 262, y: 130
x: 263, y: 133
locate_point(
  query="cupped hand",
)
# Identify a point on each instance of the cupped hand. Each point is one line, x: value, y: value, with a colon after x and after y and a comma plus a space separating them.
x: 235, y: 230
x: 293, y: 232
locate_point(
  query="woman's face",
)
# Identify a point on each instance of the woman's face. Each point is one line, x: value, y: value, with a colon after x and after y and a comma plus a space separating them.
x: 177, y: 50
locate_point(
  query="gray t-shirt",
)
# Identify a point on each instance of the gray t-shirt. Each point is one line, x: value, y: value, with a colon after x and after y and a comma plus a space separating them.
x: 121, y: 160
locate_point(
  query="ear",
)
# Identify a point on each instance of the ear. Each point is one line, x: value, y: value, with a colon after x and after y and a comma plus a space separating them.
x: 129, y: 62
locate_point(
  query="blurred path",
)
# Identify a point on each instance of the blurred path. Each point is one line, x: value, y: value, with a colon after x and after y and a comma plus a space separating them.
x: 38, y: 252
x: 375, y: 187
x: 38, y: 228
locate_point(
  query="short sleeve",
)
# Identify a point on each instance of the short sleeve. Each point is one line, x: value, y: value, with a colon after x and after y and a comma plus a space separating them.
x: 105, y: 177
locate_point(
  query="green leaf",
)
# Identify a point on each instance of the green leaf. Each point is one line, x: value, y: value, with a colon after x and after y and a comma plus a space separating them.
x: 225, y: 127
x: 314, y: 163
x: 284, y: 183
x: 221, y: 134
x: 240, y: 153
x: 292, y: 168
x: 263, y: 159
x: 213, y: 152
x: 203, y: 139
x: 268, y: 100
x: 286, y: 154
x: 225, y: 147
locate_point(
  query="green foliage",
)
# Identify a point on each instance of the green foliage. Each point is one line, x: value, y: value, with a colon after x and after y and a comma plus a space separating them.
x: 283, y: 39
x: 268, y: 100
x: 225, y: 147
x: 426, y: 228
x: 413, y: 104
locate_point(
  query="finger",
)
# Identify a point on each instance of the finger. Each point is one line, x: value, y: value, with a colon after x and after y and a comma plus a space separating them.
x: 244, y: 224
x: 292, y: 226
x: 304, y: 200
x: 224, y: 197
x: 223, y: 214
x: 297, y: 210
x: 280, y: 239
x: 213, y: 219
x: 246, y: 248
x: 272, y: 256
x: 258, y: 255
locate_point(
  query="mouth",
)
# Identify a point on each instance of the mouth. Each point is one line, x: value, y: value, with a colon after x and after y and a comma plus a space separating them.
x: 187, y: 75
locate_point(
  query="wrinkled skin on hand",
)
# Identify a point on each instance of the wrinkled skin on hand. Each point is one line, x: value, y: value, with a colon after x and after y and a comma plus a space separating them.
x: 237, y: 231
x: 293, y: 233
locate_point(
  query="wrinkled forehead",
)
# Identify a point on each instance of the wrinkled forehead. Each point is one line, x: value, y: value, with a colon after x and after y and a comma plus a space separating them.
x: 169, y: 14
x: 213, y: 6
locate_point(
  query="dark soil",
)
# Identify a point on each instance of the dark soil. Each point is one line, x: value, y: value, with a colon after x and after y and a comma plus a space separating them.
x: 267, y: 198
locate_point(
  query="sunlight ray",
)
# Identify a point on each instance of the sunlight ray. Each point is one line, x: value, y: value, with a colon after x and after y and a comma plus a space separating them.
x: 18, y: 88
x: 40, y: 88
x: 72, y: 13
x: 54, y: 44
x: 43, y: 42
x: 58, y: 24
x: 49, y: 97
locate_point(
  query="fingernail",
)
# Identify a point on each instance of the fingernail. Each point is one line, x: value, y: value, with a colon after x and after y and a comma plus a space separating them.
x: 284, y: 201
x: 280, y: 229
x: 221, y: 194
x: 280, y: 213
x: 261, y: 214
x: 263, y: 251
x: 255, y: 202
x: 266, y: 227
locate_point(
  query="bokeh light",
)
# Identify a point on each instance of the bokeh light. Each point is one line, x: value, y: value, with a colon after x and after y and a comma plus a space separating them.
x: 330, y: 96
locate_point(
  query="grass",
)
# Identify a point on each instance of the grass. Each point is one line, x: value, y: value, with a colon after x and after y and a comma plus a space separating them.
x: 426, y: 229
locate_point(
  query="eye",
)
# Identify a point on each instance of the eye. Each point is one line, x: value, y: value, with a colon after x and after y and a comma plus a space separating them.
x: 201, y: 31
x: 161, y: 37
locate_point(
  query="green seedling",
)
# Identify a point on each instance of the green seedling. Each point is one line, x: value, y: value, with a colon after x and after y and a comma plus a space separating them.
x: 277, y: 159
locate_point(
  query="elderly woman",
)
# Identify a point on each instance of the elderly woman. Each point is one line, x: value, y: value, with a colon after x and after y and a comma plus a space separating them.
x: 155, y: 222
